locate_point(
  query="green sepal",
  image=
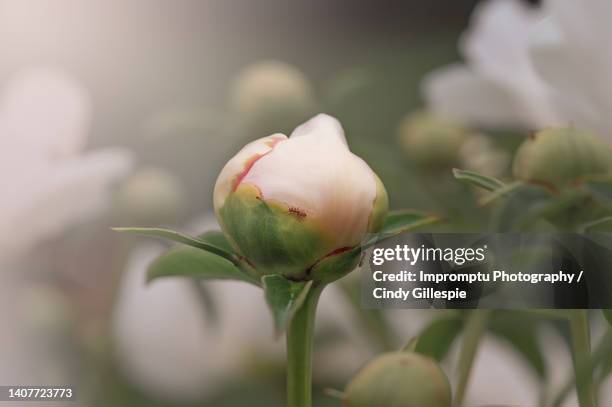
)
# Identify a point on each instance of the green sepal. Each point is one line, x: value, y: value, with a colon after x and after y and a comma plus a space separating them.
x: 334, y: 267
x: 478, y: 180
x: 275, y: 238
x: 284, y: 298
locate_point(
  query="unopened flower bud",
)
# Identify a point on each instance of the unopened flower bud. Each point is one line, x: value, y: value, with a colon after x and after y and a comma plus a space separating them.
x: 399, y: 380
x: 430, y: 140
x: 558, y: 156
x: 271, y: 96
x: 150, y: 195
x: 287, y: 203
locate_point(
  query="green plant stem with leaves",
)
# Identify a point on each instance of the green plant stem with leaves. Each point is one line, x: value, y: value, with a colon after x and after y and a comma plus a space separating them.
x: 300, y: 336
x: 474, y: 329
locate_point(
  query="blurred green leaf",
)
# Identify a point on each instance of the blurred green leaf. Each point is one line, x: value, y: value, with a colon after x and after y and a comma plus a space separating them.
x: 607, y: 313
x: 520, y: 332
x: 284, y: 298
x: 599, y: 225
x: 499, y: 192
x: 479, y: 180
x: 600, y: 189
x: 372, y: 321
x: 521, y: 208
x: 195, y: 263
x: 198, y: 243
x: 437, y: 338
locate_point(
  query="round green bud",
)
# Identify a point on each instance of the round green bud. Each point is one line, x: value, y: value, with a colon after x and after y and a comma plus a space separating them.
x: 558, y: 156
x: 271, y: 96
x: 430, y: 140
x: 150, y: 195
x: 399, y: 380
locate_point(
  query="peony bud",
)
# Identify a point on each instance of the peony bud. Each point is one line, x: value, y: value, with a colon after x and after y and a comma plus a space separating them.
x: 557, y: 156
x: 286, y: 203
x: 431, y: 141
x: 151, y: 195
x: 271, y: 96
x: 399, y: 380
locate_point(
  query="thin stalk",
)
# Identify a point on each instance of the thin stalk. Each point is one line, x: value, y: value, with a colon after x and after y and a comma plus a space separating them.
x: 475, y: 328
x: 581, y: 353
x: 300, y: 335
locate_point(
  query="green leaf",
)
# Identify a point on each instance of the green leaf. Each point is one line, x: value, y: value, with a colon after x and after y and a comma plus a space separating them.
x: 521, y: 333
x: 216, y: 238
x: 437, y: 338
x: 599, y: 225
x: 188, y: 261
x: 398, y: 222
x: 479, y: 180
x: 284, y: 298
x: 521, y: 209
x: 209, y: 246
x: 500, y: 192
x: 607, y: 313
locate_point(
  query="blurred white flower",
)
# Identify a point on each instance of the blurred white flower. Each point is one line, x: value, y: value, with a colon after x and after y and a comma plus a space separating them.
x: 47, y: 183
x: 571, y: 53
x: 166, y: 345
x: 498, y: 85
x: 34, y: 343
x: 531, y: 67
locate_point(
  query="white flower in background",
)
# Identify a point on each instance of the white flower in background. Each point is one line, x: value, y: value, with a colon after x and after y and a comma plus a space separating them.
x: 48, y: 183
x: 531, y: 67
x: 572, y: 55
x: 167, y: 346
x: 34, y: 342
x: 498, y: 85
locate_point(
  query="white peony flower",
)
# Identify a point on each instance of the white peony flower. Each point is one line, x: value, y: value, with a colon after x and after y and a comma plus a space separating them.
x: 47, y: 183
x: 498, y: 85
x: 571, y: 54
x: 531, y: 67
x: 285, y: 203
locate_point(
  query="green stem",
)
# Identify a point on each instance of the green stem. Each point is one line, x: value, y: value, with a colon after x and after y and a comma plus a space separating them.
x: 581, y: 352
x: 474, y: 330
x: 300, y: 335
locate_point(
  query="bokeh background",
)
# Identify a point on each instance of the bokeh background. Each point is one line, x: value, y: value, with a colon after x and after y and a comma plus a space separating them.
x: 161, y: 77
